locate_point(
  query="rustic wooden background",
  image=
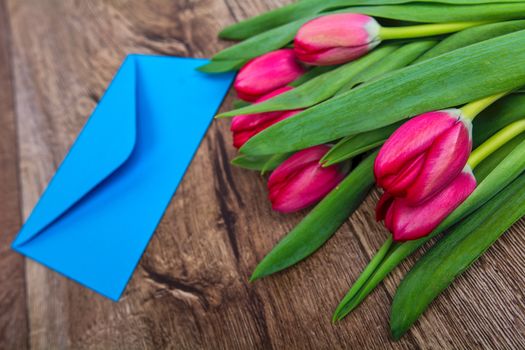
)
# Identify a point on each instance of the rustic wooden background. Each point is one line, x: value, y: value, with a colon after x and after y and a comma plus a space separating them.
x: 190, y: 290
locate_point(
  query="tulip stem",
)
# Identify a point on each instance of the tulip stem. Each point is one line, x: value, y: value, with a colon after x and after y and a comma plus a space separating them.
x: 495, y: 142
x: 472, y: 109
x: 363, y: 278
x: 408, y: 32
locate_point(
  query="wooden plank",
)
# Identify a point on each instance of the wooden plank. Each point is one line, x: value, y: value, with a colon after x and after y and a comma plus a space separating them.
x: 13, y: 311
x: 191, y: 290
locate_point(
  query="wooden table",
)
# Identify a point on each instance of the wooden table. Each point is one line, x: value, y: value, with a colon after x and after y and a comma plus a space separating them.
x: 190, y: 290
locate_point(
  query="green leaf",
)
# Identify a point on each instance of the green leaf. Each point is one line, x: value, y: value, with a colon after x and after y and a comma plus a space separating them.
x: 271, y: 19
x: 274, y: 162
x: 309, y: 93
x: 471, y: 36
x: 499, y: 178
x: 505, y: 111
x: 451, y: 79
x: 321, y: 223
x: 453, y: 254
x: 312, y: 73
x: 240, y: 103
x: 286, y: 14
x: 497, y: 116
x: 221, y: 66
x: 489, y: 163
x: 399, y: 59
x: 354, y: 145
x: 262, y: 43
x: 261, y: 163
x: 430, y: 13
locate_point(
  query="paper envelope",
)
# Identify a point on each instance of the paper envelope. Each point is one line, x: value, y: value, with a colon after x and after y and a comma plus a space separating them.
x: 100, y: 210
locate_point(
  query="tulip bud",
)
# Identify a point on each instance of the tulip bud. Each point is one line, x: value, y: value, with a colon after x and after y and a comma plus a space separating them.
x: 243, y: 127
x: 336, y: 39
x: 267, y: 73
x: 421, y: 157
x: 301, y: 181
x: 407, y: 222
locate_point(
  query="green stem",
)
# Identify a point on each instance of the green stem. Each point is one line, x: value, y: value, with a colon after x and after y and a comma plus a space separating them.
x: 472, y: 109
x: 495, y: 142
x: 367, y: 272
x: 408, y: 32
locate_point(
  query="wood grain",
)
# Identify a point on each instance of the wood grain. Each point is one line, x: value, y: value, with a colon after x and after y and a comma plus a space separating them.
x: 190, y: 289
x: 13, y: 309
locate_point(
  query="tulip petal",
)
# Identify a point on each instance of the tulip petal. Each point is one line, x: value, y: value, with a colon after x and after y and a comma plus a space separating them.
x: 397, y: 184
x: 245, y: 126
x: 336, y: 39
x: 412, y: 139
x: 296, y: 162
x: 444, y: 161
x: 301, y: 181
x: 413, y: 222
x: 266, y: 73
x: 382, y: 205
x: 307, y: 187
x: 445, y: 151
x: 260, y: 122
x: 333, y: 56
x: 338, y: 30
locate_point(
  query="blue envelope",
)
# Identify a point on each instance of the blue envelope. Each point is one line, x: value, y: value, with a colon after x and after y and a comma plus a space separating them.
x: 99, y: 211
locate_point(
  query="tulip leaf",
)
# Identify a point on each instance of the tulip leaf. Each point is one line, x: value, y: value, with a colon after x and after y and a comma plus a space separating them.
x: 380, y: 61
x: 497, y: 116
x: 354, y: 145
x: 506, y: 171
x: 286, y: 14
x: 321, y: 223
x: 220, y: 66
x: 240, y: 103
x: 399, y: 59
x: 234, y: 56
x: 312, y: 73
x: 309, y: 92
x: 255, y: 46
x: 453, y: 254
x: 261, y: 163
x: 471, y: 36
x: 274, y: 162
x: 505, y: 111
x: 271, y: 19
x: 451, y: 79
x: 488, y: 164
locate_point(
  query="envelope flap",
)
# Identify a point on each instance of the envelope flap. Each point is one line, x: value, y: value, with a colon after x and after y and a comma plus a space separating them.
x: 105, y: 143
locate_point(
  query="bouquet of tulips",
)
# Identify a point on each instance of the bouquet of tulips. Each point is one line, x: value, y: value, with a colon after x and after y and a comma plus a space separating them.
x: 420, y: 98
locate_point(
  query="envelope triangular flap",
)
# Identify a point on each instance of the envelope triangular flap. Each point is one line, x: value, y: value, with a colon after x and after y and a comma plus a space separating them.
x: 105, y: 143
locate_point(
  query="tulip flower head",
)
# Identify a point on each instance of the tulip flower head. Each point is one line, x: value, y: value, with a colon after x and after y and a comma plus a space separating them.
x: 336, y: 39
x: 301, y: 181
x: 424, y: 155
x: 266, y: 73
x: 409, y: 222
x: 243, y: 127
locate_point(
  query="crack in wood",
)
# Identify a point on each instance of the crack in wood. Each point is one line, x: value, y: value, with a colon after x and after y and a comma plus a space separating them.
x: 171, y: 283
x: 227, y: 215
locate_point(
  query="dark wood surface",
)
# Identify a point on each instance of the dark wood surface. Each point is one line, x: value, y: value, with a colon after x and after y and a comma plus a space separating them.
x: 190, y: 290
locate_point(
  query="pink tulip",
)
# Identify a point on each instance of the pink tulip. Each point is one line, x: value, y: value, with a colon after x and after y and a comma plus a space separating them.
x: 421, y: 157
x: 267, y: 73
x: 243, y: 127
x: 407, y: 222
x: 301, y: 181
x: 336, y: 39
